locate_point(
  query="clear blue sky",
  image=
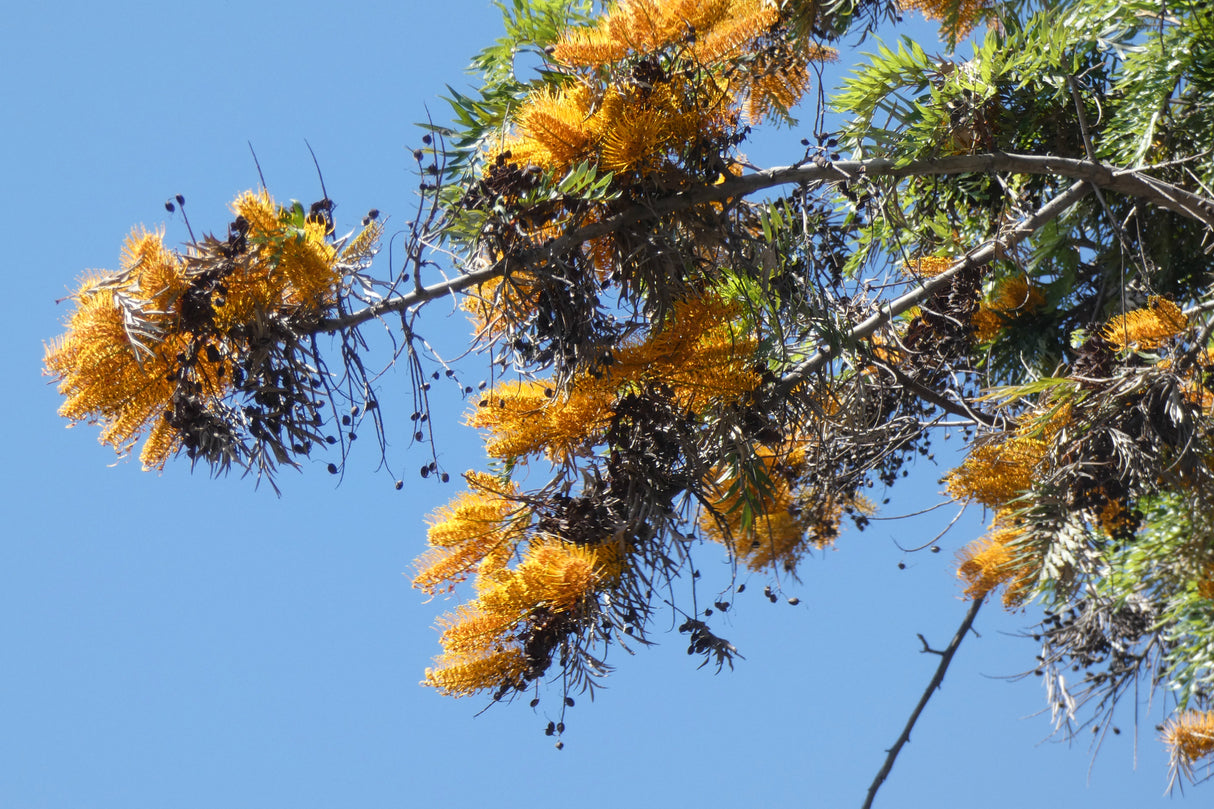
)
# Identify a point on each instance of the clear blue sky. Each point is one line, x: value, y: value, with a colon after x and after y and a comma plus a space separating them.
x: 175, y: 641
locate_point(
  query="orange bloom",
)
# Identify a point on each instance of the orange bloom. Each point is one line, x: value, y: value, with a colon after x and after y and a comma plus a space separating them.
x: 1146, y: 329
x: 994, y: 560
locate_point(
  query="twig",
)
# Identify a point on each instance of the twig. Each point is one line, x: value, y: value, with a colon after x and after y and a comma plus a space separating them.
x: 980, y: 255
x: 946, y: 657
x: 1131, y: 182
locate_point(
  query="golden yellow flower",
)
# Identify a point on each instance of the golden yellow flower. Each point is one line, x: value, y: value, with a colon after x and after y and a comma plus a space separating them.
x: 994, y: 560
x: 553, y: 574
x: 528, y: 417
x: 929, y: 266
x: 698, y: 354
x: 114, y: 362
x: 461, y: 675
x: 776, y: 84
x: 485, y: 522
x: 995, y: 474
x: 969, y: 12
x: 774, y: 524
x: 289, y: 267
x: 638, y: 127
x: 1146, y: 329
x: 471, y: 629
x: 1189, y: 737
x: 1011, y: 299
x: 555, y: 129
x: 118, y: 364
x: 474, y: 514
x: 643, y: 26
x: 730, y: 37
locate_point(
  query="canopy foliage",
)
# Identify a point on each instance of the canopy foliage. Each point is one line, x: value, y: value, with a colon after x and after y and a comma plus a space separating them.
x: 688, y: 347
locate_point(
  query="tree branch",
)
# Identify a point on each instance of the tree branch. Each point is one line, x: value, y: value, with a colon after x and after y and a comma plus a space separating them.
x: 946, y: 657
x: 974, y: 258
x: 1131, y: 182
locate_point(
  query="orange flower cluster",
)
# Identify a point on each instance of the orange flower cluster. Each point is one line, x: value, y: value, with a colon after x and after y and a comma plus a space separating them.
x: 528, y: 417
x: 1146, y: 329
x: 639, y: 27
x: 119, y: 359
x: 482, y: 649
x: 996, y: 474
x: 481, y: 526
x: 639, y: 124
x: 929, y: 266
x: 996, y: 560
x: 969, y: 13
x: 480, y: 532
x: 698, y: 355
x: 1190, y: 737
x: 1012, y: 298
x: 114, y: 362
x: 769, y: 519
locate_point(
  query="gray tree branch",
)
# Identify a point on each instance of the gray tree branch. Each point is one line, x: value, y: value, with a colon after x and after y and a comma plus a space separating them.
x: 946, y: 657
x: 1131, y: 182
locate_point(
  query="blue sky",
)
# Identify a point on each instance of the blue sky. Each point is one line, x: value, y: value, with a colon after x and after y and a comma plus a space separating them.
x: 177, y: 641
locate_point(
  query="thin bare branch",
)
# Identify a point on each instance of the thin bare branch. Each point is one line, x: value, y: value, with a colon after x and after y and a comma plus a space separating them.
x: 1130, y: 182
x: 946, y: 657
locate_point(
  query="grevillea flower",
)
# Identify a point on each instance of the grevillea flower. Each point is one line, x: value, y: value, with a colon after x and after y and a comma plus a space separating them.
x: 123, y: 359
x: 699, y: 355
x: 772, y: 525
x: 969, y: 13
x: 461, y: 675
x: 644, y: 26
x: 481, y: 642
x: 648, y: 122
x: 995, y: 560
x: 1012, y: 298
x: 485, y: 522
x: 994, y: 474
x: 929, y: 266
x: 1189, y: 737
x: 115, y: 363
x: 1147, y: 328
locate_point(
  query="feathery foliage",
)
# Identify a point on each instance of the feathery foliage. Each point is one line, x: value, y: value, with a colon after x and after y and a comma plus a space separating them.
x: 693, y: 348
